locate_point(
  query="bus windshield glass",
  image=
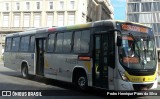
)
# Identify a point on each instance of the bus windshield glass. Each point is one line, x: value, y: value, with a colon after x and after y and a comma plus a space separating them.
x: 137, y: 50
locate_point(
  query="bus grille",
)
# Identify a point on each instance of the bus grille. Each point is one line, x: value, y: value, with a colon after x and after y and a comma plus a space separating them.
x: 139, y: 87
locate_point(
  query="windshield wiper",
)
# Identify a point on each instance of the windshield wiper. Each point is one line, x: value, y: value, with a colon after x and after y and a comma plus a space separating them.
x: 135, y: 41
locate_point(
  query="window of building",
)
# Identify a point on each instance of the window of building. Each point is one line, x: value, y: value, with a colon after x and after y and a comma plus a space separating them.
x: 24, y: 44
x: 49, y: 19
x: 71, y: 5
x: 71, y: 18
x: 15, y: 44
x: 50, y: 5
x: 134, y: 0
x: 27, y: 5
x: 51, y: 42
x: 7, y: 6
x: 61, y: 5
x: 38, y: 5
x: 81, y: 41
x: 133, y: 17
x: 157, y: 41
x: 17, y: 6
x: 156, y: 6
x: 16, y: 20
x: 146, y: 7
x: 26, y: 22
x: 8, y: 44
x: 133, y: 7
x: 156, y: 17
x: 6, y: 20
x: 156, y: 28
x: 60, y: 19
x: 37, y: 20
x: 32, y: 44
x: 145, y: 18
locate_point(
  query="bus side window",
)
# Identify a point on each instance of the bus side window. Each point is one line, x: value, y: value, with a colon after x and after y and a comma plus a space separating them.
x: 77, y: 41
x: 24, y: 44
x: 32, y: 44
x: 50, y: 43
x: 67, y: 42
x: 85, y: 38
x: 59, y: 42
x: 81, y: 41
x: 8, y: 44
x: 15, y: 44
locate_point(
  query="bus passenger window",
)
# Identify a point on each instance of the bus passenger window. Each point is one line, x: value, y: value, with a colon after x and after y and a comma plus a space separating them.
x: 32, y: 43
x: 67, y: 42
x: 77, y: 40
x: 59, y: 42
x: 85, y: 38
x: 81, y: 41
x: 15, y: 44
x: 51, y: 42
x: 24, y: 44
x: 8, y: 44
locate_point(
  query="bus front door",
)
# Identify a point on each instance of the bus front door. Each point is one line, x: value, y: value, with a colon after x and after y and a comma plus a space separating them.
x: 100, y: 67
x: 40, y: 48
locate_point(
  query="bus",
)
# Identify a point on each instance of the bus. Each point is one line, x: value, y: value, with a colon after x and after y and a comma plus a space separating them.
x: 106, y: 54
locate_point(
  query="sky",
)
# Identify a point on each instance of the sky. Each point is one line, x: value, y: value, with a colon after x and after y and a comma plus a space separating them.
x: 119, y: 9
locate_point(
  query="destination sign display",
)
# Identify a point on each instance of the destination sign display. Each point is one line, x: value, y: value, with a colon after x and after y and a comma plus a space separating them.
x: 135, y: 28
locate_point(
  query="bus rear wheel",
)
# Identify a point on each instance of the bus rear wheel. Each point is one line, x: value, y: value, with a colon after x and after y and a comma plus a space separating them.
x: 25, y: 72
x: 81, y: 81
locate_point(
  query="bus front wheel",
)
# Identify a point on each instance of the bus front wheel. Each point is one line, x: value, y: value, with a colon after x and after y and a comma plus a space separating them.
x: 25, y: 71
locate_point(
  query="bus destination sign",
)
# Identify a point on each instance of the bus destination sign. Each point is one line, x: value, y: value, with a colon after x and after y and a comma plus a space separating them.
x: 130, y: 27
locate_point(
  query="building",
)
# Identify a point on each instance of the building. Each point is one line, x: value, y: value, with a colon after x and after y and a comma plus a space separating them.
x: 18, y: 15
x: 146, y: 12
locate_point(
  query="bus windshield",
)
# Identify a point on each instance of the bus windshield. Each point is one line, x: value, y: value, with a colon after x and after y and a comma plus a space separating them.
x: 138, y: 51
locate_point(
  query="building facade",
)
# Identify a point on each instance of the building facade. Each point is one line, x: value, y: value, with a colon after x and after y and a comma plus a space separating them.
x: 146, y: 12
x: 18, y: 15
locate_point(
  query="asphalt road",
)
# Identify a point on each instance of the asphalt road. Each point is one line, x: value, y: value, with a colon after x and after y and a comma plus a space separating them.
x: 12, y: 81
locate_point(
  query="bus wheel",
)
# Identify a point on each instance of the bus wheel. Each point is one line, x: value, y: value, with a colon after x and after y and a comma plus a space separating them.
x: 81, y: 81
x: 25, y: 71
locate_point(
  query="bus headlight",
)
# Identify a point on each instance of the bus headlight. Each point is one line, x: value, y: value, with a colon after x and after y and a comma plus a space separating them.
x: 123, y: 76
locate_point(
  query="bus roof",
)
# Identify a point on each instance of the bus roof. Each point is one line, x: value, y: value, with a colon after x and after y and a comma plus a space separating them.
x: 131, y: 23
x: 110, y: 23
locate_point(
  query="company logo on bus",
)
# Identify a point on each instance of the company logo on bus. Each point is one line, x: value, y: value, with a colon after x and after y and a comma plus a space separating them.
x: 134, y: 28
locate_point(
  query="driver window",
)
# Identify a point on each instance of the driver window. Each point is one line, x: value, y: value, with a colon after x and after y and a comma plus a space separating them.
x: 128, y: 46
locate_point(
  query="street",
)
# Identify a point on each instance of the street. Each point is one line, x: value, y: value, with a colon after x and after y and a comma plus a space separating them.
x: 12, y: 80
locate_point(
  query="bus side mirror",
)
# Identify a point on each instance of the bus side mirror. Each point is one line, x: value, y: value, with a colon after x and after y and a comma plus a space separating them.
x: 119, y: 41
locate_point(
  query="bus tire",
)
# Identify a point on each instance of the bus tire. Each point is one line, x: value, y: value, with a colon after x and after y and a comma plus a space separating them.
x: 81, y: 81
x: 24, y: 71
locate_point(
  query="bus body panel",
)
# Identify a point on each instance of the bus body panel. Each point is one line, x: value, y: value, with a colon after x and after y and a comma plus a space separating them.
x: 16, y: 60
x: 63, y: 70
